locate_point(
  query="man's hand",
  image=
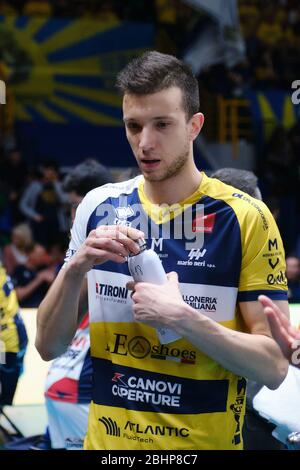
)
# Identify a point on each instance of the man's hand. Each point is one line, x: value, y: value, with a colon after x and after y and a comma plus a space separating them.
x: 46, y: 275
x: 157, y: 305
x: 283, y: 332
x: 105, y: 243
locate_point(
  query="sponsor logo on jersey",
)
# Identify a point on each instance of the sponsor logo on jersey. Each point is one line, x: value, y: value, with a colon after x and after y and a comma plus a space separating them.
x: 156, y: 430
x: 196, y: 253
x: 73, y: 443
x: 111, y: 427
x: 123, y: 213
x: 273, y: 244
x: 237, y: 409
x: 157, y: 244
x: 206, y: 304
x: 254, y: 204
x: 152, y: 391
x: 140, y: 347
x: 204, y: 223
x: 274, y: 263
x: 135, y: 431
x: 274, y: 254
x: 111, y: 293
x: 195, y: 258
x: 277, y: 279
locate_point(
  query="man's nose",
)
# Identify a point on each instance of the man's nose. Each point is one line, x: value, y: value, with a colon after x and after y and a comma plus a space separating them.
x: 146, y: 139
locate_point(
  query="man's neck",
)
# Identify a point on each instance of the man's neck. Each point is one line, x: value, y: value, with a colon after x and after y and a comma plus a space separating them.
x: 174, y: 189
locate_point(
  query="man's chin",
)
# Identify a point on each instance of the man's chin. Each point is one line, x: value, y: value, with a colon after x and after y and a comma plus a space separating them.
x: 153, y: 178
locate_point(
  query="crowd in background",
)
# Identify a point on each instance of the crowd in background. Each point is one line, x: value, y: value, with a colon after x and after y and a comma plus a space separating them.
x: 34, y: 210
x: 270, y: 28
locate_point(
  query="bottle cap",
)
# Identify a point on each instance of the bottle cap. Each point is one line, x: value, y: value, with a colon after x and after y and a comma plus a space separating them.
x: 142, y: 245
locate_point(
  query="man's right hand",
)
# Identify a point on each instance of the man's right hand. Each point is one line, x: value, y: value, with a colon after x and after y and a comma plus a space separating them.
x: 105, y: 243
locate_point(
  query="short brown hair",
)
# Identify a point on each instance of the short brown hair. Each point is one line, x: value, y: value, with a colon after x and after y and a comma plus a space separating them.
x: 153, y: 72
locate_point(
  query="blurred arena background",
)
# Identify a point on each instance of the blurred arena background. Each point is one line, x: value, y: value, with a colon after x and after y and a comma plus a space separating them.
x: 59, y: 61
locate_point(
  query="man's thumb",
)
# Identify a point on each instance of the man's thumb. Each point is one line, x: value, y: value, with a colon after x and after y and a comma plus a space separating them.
x: 172, y: 276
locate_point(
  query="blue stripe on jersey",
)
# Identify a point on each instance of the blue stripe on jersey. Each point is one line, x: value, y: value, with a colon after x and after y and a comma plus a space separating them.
x: 22, y: 335
x: 223, y: 251
x: 248, y: 296
x: 135, y: 389
x: 7, y: 288
x: 85, y: 382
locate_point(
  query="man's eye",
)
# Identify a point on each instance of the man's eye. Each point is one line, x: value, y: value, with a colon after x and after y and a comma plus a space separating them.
x: 162, y: 125
x: 133, y: 127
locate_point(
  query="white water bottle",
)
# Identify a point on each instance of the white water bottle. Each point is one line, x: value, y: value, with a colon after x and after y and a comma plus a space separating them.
x: 147, y: 267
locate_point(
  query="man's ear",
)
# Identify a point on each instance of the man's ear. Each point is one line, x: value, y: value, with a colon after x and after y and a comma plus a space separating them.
x: 196, y: 123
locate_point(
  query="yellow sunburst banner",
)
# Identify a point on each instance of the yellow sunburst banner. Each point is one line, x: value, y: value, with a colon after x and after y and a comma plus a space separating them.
x: 63, y: 70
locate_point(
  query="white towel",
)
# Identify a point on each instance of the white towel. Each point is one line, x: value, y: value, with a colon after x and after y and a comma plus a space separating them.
x: 282, y: 406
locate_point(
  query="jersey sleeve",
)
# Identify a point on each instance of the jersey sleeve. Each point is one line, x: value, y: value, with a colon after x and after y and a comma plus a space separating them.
x: 78, y: 230
x: 263, y: 259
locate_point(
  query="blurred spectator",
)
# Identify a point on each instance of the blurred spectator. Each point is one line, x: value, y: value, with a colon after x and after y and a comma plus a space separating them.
x: 13, y: 169
x: 5, y: 213
x: 7, y: 9
x: 37, y: 8
x: 269, y: 31
x: 7, y: 112
x: 272, y: 36
x: 104, y: 11
x: 17, y: 251
x: 293, y: 277
x: 33, y: 279
x: 14, y: 337
x: 242, y: 179
x: 264, y: 72
x: 84, y: 177
x: 43, y: 204
x: 127, y: 174
x: 282, y: 182
x: 79, y: 181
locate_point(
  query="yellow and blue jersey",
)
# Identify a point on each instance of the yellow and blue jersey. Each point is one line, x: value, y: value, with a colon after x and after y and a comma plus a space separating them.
x: 149, y: 395
x: 12, y: 330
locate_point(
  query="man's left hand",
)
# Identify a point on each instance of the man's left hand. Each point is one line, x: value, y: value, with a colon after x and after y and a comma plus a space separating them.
x: 157, y: 305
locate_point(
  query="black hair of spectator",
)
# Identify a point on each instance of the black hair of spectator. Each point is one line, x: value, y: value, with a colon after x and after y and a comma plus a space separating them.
x: 241, y: 179
x: 153, y: 72
x: 86, y: 176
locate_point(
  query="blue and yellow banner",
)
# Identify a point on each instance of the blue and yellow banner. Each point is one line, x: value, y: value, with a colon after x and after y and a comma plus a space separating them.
x: 62, y: 73
x: 272, y: 108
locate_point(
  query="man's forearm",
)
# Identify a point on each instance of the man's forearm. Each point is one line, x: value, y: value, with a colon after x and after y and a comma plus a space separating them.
x: 255, y: 356
x: 57, y: 316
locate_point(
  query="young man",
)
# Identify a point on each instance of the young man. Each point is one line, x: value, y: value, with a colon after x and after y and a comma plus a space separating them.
x: 188, y: 394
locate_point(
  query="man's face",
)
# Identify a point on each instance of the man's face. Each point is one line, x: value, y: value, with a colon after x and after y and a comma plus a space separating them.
x: 49, y: 174
x: 158, y: 132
